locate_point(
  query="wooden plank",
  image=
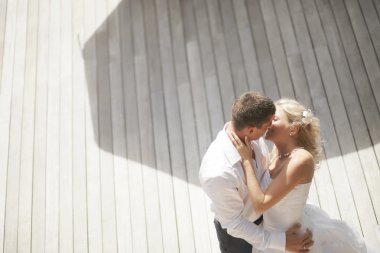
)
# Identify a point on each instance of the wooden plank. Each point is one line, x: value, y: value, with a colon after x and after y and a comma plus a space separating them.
x: 3, y: 18
x: 221, y: 58
x: 143, y: 64
x: 264, y: 57
x: 24, y: 236
x: 157, y: 113
x: 137, y: 201
x: 352, y: 163
x: 214, y: 243
x: 325, y: 191
x: 66, y: 214
x: 197, y: 197
x: 165, y: 184
x: 40, y: 137
x: 198, y: 215
x: 368, y: 160
x: 181, y: 191
x: 94, y: 213
x: 211, y: 81
x: 170, y: 137
x: 367, y: 51
x: 278, y: 54
x: 352, y: 107
x: 200, y: 100
x: 226, y: 90
x: 13, y: 175
x: 302, y: 92
x: 322, y: 177
x: 94, y: 210
x: 203, y: 124
x: 217, y: 119
x: 377, y: 5
x: 53, y: 129
x: 339, y: 118
x: 366, y: 98
x: 79, y: 182
x: 235, y: 57
x: 247, y: 46
x: 123, y: 216
x: 107, y: 184
x: 373, y: 24
x: 5, y: 109
x: 356, y: 95
x: 158, y: 40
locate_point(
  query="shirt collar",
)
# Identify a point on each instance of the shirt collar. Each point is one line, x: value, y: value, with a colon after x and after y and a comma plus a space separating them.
x: 231, y: 152
x: 228, y: 147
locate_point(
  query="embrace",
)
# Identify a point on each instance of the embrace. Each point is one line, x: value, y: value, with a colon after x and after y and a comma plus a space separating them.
x: 259, y: 198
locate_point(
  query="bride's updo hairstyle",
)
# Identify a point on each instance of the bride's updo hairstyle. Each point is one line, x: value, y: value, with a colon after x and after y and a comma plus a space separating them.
x: 309, y: 129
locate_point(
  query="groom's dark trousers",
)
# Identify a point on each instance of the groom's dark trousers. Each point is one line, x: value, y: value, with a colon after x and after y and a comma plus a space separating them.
x: 230, y: 244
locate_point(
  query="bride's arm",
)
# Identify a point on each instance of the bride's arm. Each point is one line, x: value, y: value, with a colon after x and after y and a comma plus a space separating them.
x: 300, y: 167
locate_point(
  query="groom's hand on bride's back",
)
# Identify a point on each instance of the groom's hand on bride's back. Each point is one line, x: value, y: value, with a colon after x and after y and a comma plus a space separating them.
x: 298, y: 242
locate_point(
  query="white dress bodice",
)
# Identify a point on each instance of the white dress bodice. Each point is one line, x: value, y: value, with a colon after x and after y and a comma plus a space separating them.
x: 287, y: 211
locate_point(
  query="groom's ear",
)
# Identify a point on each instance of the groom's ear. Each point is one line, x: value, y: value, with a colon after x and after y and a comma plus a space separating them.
x: 251, y: 129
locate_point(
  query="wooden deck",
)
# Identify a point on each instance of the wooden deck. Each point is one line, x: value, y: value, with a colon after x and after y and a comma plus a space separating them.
x: 107, y: 106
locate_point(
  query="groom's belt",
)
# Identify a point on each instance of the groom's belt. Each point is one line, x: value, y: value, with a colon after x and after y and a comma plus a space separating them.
x: 257, y: 222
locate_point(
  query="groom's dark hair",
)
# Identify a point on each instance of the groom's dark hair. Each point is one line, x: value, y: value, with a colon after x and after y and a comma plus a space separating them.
x: 251, y: 109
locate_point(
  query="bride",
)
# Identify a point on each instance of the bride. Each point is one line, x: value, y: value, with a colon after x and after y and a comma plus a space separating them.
x: 297, y: 151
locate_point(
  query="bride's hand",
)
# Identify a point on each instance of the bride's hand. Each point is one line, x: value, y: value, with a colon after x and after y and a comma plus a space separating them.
x: 244, y: 149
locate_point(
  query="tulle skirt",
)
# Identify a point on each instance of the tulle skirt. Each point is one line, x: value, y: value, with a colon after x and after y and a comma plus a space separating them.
x: 330, y: 235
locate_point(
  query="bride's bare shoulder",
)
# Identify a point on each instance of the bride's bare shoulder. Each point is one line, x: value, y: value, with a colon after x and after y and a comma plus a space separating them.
x: 302, y: 163
x: 302, y: 154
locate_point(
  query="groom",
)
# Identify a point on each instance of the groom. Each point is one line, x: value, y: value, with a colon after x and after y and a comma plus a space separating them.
x: 222, y: 178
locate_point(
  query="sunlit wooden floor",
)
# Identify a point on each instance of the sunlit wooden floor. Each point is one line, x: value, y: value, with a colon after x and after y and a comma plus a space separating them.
x: 107, y: 107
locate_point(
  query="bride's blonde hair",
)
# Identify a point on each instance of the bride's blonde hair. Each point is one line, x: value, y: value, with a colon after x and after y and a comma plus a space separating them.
x: 309, y: 129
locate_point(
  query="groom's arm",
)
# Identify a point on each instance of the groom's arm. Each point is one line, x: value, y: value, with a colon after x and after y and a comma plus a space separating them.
x: 228, y: 207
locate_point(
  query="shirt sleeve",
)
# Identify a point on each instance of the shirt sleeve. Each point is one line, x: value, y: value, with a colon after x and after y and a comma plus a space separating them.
x: 228, y: 207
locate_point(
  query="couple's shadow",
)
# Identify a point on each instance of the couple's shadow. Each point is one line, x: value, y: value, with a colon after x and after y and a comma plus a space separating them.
x: 137, y: 115
x: 133, y: 115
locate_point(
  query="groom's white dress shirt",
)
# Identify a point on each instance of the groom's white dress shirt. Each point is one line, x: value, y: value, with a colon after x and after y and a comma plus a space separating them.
x: 222, y: 178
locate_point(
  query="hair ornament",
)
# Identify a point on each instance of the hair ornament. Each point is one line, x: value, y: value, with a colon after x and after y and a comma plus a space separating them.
x: 307, y: 117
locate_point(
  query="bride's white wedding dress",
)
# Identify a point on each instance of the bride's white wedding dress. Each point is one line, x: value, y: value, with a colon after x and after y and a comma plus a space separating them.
x: 329, y: 235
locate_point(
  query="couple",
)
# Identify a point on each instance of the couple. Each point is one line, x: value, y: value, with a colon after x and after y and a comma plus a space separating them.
x: 259, y: 201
